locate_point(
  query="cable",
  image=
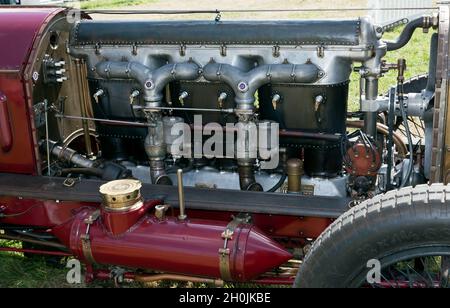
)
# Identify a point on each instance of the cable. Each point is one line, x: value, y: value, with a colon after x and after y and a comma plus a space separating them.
x: 279, y: 183
x: 18, y: 214
x: 390, y: 138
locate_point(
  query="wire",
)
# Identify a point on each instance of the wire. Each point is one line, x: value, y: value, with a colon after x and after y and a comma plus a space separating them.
x: 18, y: 214
x: 279, y: 183
x: 390, y: 139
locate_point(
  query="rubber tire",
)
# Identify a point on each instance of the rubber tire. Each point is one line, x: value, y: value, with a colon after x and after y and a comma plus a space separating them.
x: 394, y: 225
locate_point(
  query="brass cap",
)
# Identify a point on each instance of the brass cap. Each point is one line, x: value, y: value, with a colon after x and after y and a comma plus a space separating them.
x: 121, y: 193
x: 295, y: 166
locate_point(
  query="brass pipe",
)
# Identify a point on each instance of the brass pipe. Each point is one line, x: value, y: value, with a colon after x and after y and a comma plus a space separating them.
x: 172, y: 277
x: 182, y: 215
x: 83, y: 102
x: 32, y: 241
x: 294, y: 172
x: 88, y: 104
x: 383, y: 129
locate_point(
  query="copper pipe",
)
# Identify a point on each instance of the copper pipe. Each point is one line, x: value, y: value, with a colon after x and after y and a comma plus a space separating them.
x: 32, y: 241
x: 172, y: 277
x: 37, y: 252
x: 83, y: 102
x: 383, y: 129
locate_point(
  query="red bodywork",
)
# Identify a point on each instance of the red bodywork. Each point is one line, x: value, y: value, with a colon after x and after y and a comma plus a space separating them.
x: 20, y: 31
x: 134, y: 239
x: 174, y: 246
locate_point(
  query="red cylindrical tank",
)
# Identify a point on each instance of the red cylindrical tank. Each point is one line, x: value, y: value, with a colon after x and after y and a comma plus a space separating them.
x: 191, y: 247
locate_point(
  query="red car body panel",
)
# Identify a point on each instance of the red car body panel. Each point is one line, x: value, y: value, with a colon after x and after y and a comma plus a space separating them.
x: 20, y: 29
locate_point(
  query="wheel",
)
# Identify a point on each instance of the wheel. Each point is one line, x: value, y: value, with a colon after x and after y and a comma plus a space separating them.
x: 407, y: 231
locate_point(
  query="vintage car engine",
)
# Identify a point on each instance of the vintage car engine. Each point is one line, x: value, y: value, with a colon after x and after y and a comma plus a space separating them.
x: 163, y: 73
x: 219, y: 151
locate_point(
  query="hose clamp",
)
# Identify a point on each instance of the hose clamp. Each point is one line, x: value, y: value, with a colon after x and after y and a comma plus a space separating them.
x: 86, y: 238
x: 225, y: 252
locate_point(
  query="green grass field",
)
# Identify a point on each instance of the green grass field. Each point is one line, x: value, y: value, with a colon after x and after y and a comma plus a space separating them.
x: 107, y: 4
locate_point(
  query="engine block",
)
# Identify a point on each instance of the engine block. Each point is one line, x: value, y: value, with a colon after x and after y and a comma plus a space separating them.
x: 298, y: 70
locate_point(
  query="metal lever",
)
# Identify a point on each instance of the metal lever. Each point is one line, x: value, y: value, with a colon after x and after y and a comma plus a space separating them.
x: 182, y: 215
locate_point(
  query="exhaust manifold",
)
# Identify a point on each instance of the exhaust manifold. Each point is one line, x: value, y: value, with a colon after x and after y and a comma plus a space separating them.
x: 153, y: 83
x: 245, y: 84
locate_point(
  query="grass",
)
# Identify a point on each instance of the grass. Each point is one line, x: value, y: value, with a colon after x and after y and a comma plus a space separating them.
x: 107, y: 4
x: 16, y: 271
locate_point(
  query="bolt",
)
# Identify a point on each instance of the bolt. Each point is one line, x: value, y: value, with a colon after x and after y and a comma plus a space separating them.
x: 243, y: 86
x: 149, y: 84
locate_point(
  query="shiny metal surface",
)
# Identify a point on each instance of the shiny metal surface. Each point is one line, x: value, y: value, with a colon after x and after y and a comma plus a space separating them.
x: 208, y: 177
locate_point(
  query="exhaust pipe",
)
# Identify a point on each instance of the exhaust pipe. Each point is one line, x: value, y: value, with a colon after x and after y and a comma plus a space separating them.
x: 123, y: 233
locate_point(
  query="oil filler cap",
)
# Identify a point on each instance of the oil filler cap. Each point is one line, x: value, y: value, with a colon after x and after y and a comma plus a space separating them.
x: 121, y: 194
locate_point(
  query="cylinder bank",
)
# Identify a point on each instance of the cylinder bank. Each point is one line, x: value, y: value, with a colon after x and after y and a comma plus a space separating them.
x: 127, y: 231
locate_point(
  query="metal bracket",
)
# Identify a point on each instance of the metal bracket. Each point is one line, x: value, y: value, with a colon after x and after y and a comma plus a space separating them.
x: 71, y: 182
x: 118, y: 275
x: 224, y: 252
x: 321, y: 51
x: 86, y: 239
x: 416, y: 104
x: 39, y: 110
x: 97, y: 48
x: 182, y: 50
x: 223, y: 50
x: 375, y: 105
x: 218, y: 16
x: 395, y: 24
x: 276, y: 51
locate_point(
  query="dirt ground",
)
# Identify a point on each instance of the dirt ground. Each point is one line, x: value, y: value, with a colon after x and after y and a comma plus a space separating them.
x: 248, y: 4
